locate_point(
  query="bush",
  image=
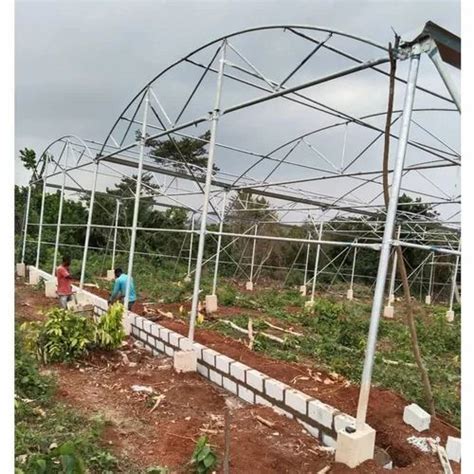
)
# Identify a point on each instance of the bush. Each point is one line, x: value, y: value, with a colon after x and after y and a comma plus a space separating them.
x: 109, y: 332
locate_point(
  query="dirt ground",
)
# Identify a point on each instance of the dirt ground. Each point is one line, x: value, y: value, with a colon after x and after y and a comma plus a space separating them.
x: 191, y: 406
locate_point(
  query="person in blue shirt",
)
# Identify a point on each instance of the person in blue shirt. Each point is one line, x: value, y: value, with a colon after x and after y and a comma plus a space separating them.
x: 120, y: 287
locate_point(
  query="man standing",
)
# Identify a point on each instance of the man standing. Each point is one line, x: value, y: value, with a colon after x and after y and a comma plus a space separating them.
x: 63, y: 276
x: 120, y: 287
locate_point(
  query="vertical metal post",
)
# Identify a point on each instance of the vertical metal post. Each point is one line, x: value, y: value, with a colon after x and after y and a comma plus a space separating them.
x: 353, y: 267
x: 219, y: 240
x: 114, y: 245
x: 40, y: 229
x: 136, y: 207
x: 430, y: 285
x: 316, y: 262
x: 252, y: 262
x: 387, y: 238
x: 453, y: 283
x: 190, y: 253
x: 25, y: 228
x: 308, y: 249
x: 391, y: 290
x: 89, y: 225
x: 207, y: 189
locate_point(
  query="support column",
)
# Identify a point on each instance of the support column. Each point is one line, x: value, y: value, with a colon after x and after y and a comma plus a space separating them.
x: 89, y: 225
x: 249, y: 284
x: 21, y: 268
x: 350, y: 291
x: 207, y: 189
x: 111, y: 272
x: 388, y: 311
x: 429, y: 296
x: 303, y: 288
x: 136, y: 208
x: 190, y: 253
x: 387, y: 239
x: 40, y: 229
x: 316, y: 265
x: 58, y: 224
x: 450, y: 312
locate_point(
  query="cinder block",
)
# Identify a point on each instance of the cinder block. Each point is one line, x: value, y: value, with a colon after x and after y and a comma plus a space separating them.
x: 174, y: 339
x: 185, y: 344
x: 303, y: 290
x: 160, y: 346
x: 342, y: 421
x: 350, y: 294
x: 274, y: 389
x: 203, y: 370
x: 198, y: 348
x: 127, y: 323
x: 33, y: 276
x: 262, y: 401
x: 388, y: 312
x: 147, y: 326
x: 297, y: 400
x: 391, y: 298
x: 185, y: 361
x: 328, y: 441
x: 249, y: 285
x: 215, y: 377
x: 21, y: 269
x: 450, y: 316
x: 428, y: 299
x: 229, y: 385
x: 50, y: 289
x: 223, y: 362
x: 211, y: 304
x: 209, y: 356
x: 238, y: 370
x: 255, y: 379
x: 453, y: 449
x: 308, y: 304
x: 110, y: 275
x: 415, y: 416
x: 312, y: 430
x: 321, y: 413
x: 164, y: 334
x: 138, y: 321
x: 155, y: 330
x: 246, y: 394
x: 82, y: 298
x: 354, y: 448
x: 169, y: 351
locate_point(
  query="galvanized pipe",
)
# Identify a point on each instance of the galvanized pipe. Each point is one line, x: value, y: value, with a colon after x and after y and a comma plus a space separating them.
x: 219, y: 240
x: 40, y: 230
x: 254, y: 244
x: 114, y: 245
x: 316, y: 261
x: 58, y: 229
x: 25, y: 227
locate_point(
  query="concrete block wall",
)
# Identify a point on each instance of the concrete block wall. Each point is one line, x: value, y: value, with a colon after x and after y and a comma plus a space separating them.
x: 319, y: 419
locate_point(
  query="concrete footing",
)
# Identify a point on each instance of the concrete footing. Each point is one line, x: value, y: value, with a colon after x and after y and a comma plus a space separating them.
x: 249, y: 285
x: 110, y: 275
x: 391, y: 298
x: 33, y: 276
x: 450, y: 316
x: 388, y: 312
x: 187, y: 279
x: 303, y: 290
x: 309, y: 304
x: 211, y: 304
x: 350, y: 294
x: 21, y: 269
x: 185, y: 361
x: 416, y: 417
x: 453, y: 449
x: 50, y: 288
x: 353, y: 448
x: 428, y: 299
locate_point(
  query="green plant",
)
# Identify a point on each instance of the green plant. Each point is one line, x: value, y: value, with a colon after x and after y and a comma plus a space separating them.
x: 109, y: 332
x: 203, y: 458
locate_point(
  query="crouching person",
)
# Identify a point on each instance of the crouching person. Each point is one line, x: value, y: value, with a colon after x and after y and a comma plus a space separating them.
x: 120, y: 288
x: 64, y: 286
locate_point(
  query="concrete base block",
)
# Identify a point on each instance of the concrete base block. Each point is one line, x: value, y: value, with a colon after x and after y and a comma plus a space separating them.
x: 211, y: 304
x: 50, y: 288
x: 450, y: 316
x: 415, y: 416
x: 453, y: 449
x: 185, y: 361
x: 391, y: 298
x: 428, y: 299
x: 187, y: 279
x: 127, y: 323
x: 21, y: 269
x: 354, y: 448
x: 350, y: 294
x: 309, y: 304
x: 303, y: 290
x: 34, y: 277
x: 388, y: 312
x: 110, y: 275
x: 249, y: 286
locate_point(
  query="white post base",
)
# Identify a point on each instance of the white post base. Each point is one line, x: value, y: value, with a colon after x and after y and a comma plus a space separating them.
x: 249, y: 285
x: 309, y: 304
x: 211, y: 304
x: 110, y: 275
x: 353, y: 449
x: 428, y: 299
x: 350, y: 294
x: 185, y: 361
x: 34, y: 277
x: 50, y: 288
x: 187, y: 279
x: 391, y: 298
x: 127, y: 323
x: 450, y: 315
x: 303, y: 290
x: 388, y: 312
x: 21, y: 269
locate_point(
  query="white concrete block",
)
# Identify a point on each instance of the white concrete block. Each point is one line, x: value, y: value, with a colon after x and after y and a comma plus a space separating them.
x: 110, y: 275
x: 415, y: 416
x: 450, y: 316
x: 303, y: 290
x: 246, y: 394
x: 255, y: 379
x: 198, y: 348
x: 127, y: 324
x: 82, y: 298
x: 428, y: 299
x: 354, y: 448
x: 185, y: 361
x: 262, y: 401
x: 215, y: 377
x: 453, y: 449
x: 308, y: 304
x: 313, y: 431
x: 50, y: 289
x: 21, y: 269
x: 203, y: 370
x: 297, y: 400
x: 160, y: 346
x: 155, y: 330
x: 211, y: 304
x: 164, y: 334
x: 274, y: 389
x: 342, y: 421
x: 185, y: 344
x: 249, y: 285
x: 209, y: 356
x: 174, y: 339
x: 388, y: 312
x: 391, y: 298
x: 321, y: 413
x: 229, y: 385
x: 147, y: 326
x: 238, y: 370
x: 328, y: 441
x: 139, y: 321
x: 350, y: 294
x: 223, y: 362
x: 169, y: 351
x: 187, y: 279
x: 33, y: 276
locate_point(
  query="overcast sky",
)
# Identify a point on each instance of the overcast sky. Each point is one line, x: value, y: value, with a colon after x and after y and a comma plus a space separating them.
x: 78, y: 63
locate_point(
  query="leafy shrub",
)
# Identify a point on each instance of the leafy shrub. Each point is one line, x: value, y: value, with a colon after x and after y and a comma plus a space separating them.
x: 226, y: 295
x: 203, y: 458
x: 109, y: 331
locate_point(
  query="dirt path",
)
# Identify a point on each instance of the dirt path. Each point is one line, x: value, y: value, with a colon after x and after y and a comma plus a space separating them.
x: 191, y: 406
